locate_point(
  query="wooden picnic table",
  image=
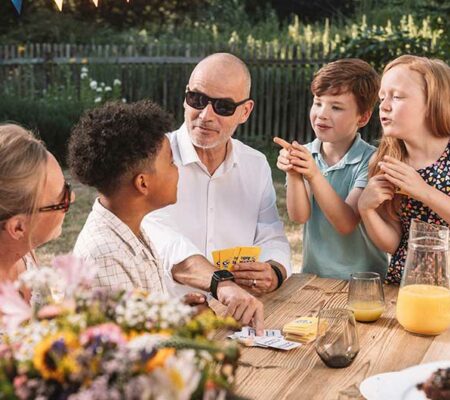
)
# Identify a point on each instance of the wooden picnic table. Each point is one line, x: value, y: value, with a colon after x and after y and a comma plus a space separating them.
x: 299, y: 374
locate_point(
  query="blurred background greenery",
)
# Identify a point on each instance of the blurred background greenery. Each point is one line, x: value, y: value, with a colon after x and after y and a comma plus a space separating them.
x: 54, y: 65
x: 147, y: 48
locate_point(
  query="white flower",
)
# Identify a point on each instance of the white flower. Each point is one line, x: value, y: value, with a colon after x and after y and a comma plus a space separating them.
x: 97, y: 100
x: 117, y: 82
x: 93, y: 85
x: 102, y: 84
x: 108, y: 88
x: 83, y: 75
x: 84, y: 70
x: 99, y: 90
x: 124, y: 100
x: 39, y: 279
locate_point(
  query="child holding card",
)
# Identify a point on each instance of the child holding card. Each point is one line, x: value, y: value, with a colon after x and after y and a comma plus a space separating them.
x: 326, y: 177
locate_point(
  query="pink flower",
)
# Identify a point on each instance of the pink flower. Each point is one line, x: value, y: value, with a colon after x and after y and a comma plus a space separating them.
x: 108, y: 332
x: 14, y: 308
x: 75, y: 271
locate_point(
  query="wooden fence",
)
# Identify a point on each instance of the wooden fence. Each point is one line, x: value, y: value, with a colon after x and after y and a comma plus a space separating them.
x: 281, y: 76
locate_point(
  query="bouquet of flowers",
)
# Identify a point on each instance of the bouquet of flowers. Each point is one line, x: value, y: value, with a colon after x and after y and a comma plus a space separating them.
x: 97, y: 344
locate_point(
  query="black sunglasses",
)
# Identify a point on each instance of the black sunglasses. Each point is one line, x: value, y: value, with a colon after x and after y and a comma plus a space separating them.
x: 64, y: 205
x: 222, y: 107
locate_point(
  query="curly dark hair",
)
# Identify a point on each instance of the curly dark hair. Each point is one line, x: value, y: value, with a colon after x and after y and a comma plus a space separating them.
x: 110, y: 142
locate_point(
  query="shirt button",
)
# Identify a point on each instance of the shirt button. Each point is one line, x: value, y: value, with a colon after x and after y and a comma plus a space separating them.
x: 325, y: 174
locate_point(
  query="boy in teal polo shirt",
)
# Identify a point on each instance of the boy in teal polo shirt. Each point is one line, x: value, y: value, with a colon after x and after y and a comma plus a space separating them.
x: 326, y: 177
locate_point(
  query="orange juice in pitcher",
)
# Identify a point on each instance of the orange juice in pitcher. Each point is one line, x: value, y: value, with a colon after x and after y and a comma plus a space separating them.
x: 424, y: 309
x: 423, y: 303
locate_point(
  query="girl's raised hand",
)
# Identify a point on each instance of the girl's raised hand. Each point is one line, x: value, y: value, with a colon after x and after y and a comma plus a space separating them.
x: 377, y: 191
x: 303, y: 161
x: 404, y: 177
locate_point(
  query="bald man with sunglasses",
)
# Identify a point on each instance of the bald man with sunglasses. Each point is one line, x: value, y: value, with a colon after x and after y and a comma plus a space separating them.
x: 226, y: 196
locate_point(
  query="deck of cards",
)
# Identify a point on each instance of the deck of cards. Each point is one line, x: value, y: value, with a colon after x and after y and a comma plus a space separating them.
x: 302, y: 330
x: 228, y: 258
x: 272, y: 339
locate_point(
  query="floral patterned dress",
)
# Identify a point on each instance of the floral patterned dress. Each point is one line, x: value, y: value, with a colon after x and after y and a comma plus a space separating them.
x: 438, y: 176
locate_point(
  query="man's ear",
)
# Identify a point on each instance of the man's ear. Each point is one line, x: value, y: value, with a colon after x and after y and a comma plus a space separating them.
x: 248, y: 107
x: 142, y: 183
x: 364, y: 118
x: 16, y: 226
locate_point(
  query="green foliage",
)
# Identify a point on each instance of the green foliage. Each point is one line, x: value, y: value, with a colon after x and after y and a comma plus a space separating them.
x: 380, y: 44
x: 53, y: 114
x: 52, y: 121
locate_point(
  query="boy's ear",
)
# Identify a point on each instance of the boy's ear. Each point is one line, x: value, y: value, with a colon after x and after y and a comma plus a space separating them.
x: 16, y: 226
x: 142, y: 182
x: 364, y: 118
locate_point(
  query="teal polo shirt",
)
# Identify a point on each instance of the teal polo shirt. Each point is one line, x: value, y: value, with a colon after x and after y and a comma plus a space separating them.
x: 326, y: 252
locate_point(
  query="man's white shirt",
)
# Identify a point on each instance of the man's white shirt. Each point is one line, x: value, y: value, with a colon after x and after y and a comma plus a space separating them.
x: 236, y: 206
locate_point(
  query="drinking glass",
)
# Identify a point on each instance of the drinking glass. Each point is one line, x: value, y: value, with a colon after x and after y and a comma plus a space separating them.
x: 423, y: 303
x: 365, y: 296
x: 337, y: 341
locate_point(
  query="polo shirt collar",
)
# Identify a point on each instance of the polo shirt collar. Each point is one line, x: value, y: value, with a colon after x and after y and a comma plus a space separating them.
x: 353, y: 156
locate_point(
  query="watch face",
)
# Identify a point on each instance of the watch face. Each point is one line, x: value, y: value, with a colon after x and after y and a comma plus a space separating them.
x: 223, y: 275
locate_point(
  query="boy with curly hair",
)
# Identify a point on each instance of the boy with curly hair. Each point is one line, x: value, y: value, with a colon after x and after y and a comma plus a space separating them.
x: 123, y: 152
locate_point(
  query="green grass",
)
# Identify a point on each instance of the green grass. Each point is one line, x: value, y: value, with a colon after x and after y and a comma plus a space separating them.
x: 85, y: 197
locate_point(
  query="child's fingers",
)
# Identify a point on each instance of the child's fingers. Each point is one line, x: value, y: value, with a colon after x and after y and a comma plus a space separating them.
x: 281, y: 142
x: 296, y: 145
x: 393, y: 160
x: 299, y: 154
x: 387, y: 166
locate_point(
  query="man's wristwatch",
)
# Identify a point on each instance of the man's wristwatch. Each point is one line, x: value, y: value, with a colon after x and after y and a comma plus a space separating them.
x: 276, y: 268
x: 219, y: 276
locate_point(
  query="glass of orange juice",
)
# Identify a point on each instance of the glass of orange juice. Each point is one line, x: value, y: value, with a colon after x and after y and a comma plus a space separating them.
x: 423, y: 303
x: 366, y: 296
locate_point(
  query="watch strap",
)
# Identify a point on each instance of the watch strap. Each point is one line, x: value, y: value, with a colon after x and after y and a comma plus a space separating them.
x: 278, y: 273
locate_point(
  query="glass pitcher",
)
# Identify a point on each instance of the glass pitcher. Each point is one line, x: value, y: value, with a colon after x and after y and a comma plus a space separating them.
x: 423, y: 303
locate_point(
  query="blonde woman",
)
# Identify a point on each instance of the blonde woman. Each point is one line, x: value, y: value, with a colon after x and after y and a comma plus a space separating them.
x: 34, y: 198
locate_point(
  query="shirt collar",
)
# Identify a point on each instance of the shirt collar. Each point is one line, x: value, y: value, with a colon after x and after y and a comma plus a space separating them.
x: 353, y: 156
x: 120, y: 228
x: 188, y: 154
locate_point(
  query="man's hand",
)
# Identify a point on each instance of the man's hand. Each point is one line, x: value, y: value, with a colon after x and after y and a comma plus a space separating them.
x: 257, y: 277
x: 197, y: 300
x: 241, y: 305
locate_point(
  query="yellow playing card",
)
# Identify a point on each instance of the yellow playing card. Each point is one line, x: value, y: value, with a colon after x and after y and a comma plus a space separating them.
x: 216, y: 258
x: 249, y: 254
x: 226, y: 258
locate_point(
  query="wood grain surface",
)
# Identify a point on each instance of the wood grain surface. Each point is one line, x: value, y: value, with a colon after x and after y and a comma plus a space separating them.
x: 300, y: 374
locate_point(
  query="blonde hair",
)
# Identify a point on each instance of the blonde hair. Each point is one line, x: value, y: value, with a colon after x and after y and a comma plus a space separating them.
x: 436, y: 76
x: 23, y: 166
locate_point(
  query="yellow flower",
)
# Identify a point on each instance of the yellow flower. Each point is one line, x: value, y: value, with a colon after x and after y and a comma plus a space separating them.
x: 55, y: 356
x: 159, y: 359
x: 176, y: 379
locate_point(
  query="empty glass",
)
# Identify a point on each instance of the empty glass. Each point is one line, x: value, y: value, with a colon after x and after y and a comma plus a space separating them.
x: 337, y: 341
x: 423, y: 303
x: 365, y: 296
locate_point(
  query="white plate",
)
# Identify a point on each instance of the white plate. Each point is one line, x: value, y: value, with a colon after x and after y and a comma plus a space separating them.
x: 400, y: 385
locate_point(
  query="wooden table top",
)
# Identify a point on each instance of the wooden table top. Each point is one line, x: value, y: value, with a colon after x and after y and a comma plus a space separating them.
x: 299, y: 374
